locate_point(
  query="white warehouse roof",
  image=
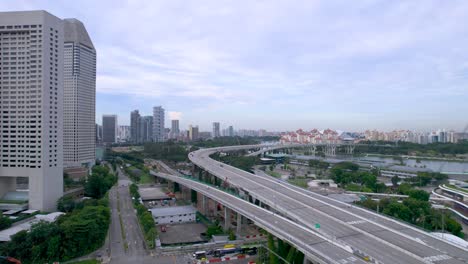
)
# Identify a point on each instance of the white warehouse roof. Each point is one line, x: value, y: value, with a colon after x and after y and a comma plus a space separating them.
x: 173, y: 210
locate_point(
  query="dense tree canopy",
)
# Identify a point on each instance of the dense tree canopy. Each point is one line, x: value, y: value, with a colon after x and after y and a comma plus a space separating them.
x: 99, y: 182
x: 416, y: 210
x: 72, y: 235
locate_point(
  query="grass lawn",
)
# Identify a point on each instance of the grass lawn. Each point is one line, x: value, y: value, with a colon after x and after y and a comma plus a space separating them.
x: 146, y: 178
x: 13, y: 201
x: 299, y: 182
x: 89, y: 261
x: 456, y: 188
x: 274, y: 174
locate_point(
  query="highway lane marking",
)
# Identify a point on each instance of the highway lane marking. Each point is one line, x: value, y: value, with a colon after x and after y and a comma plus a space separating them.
x: 346, y: 260
x: 356, y: 222
x: 235, y: 174
x: 437, y: 258
x: 226, y: 198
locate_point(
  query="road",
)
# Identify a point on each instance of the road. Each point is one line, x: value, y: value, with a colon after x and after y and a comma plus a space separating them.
x: 314, y: 245
x: 119, y: 196
x: 385, y: 239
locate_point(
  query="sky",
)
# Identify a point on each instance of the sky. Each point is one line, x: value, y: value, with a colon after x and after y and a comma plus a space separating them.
x: 278, y: 65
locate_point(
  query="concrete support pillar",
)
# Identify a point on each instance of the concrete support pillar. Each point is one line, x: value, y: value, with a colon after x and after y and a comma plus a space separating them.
x: 204, y: 205
x: 227, y: 218
x: 239, y: 225
x: 7, y: 184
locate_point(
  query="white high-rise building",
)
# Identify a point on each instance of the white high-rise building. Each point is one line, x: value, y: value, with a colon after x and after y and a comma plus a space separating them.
x: 31, y: 102
x: 193, y: 133
x: 79, y: 106
x: 123, y: 134
x: 216, y: 132
x: 158, y: 124
x: 175, y: 131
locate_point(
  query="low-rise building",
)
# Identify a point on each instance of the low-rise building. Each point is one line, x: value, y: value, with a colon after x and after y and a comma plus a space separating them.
x: 174, y: 214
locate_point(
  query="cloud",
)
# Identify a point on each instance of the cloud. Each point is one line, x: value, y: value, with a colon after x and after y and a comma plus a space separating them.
x: 174, y: 115
x: 241, y: 60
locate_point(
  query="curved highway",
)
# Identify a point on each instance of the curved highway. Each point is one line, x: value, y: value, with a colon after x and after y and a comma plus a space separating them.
x: 385, y: 239
x: 315, y: 246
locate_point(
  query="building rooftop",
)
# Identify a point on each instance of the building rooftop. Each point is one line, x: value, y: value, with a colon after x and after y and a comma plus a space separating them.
x: 76, y: 32
x: 174, y: 210
x: 5, y: 235
x: 152, y: 193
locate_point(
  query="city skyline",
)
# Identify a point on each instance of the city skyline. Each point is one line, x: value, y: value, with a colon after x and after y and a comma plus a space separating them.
x: 401, y: 67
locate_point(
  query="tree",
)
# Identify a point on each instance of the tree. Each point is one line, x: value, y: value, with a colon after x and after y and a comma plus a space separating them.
x: 66, y: 204
x: 272, y: 247
x: 398, y: 210
x: 395, y: 180
x: 232, y: 235
x: 419, y: 195
x: 5, y: 222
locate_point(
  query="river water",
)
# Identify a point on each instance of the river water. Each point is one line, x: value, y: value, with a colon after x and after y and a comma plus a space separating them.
x: 449, y: 167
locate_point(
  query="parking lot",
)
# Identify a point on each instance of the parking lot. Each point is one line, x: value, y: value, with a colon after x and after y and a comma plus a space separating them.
x: 182, y: 233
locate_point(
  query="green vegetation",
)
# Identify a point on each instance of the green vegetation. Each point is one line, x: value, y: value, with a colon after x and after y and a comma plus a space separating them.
x: 348, y: 176
x: 88, y: 261
x: 66, y: 204
x: 450, y: 186
x: 274, y: 174
x: 424, y: 178
x: 242, y: 162
x: 13, y: 201
x: 145, y: 218
x: 232, y: 141
x: 416, y: 210
x: 5, y: 222
x: 301, y: 182
x: 139, y: 173
x: 146, y: 178
x: 214, y: 229
x: 74, y: 234
x: 165, y: 151
x: 99, y: 182
x: 69, y: 183
x: 97, y: 186
x: 319, y: 164
x: 407, y: 148
x: 284, y: 250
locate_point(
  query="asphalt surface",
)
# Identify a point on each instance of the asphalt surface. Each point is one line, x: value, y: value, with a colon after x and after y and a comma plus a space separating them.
x: 311, y: 243
x: 385, y: 239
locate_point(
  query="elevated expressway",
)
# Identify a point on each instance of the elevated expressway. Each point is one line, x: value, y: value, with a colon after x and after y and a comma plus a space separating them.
x: 384, y: 239
x: 315, y: 247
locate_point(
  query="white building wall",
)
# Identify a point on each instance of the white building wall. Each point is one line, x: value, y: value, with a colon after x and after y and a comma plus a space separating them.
x: 79, y: 96
x: 32, y: 103
x: 158, y: 124
x: 175, y: 219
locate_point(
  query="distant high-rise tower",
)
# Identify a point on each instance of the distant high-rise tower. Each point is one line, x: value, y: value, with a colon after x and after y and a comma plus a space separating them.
x: 109, y: 129
x: 174, y: 128
x: 31, y: 44
x: 135, y: 126
x: 158, y: 124
x: 216, y: 132
x: 98, y: 133
x: 79, y: 85
x: 193, y: 133
x: 146, y: 129
x: 230, y: 131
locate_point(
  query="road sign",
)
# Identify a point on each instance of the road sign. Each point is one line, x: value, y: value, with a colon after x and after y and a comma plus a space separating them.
x: 317, y: 225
